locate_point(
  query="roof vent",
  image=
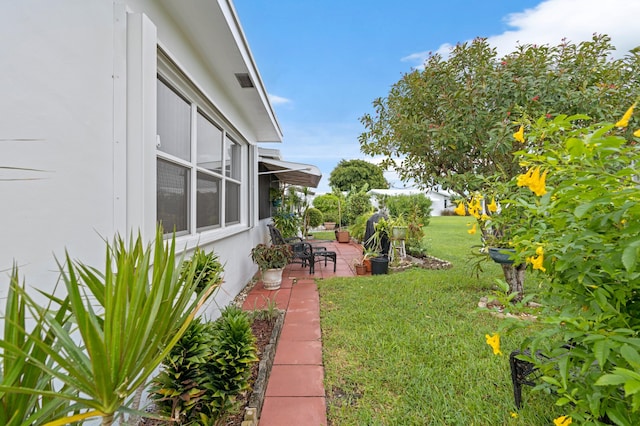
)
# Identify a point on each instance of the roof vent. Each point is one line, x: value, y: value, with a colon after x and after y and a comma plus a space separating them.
x: 244, y: 80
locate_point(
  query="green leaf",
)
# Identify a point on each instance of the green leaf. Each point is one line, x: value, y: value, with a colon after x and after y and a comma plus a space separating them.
x: 610, y: 380
x: 630, y: 256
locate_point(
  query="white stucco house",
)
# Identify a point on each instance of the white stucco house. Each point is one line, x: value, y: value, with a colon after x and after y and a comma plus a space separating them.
x: 117, y: 114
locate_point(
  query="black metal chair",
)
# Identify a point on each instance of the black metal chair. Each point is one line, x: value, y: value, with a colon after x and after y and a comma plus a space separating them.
x: 277, y: 238
x: 303, y: 254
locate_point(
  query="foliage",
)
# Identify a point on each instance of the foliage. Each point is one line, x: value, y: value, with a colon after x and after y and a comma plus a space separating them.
x: 584, y: 232
x: 380, y: 239
x: 207, y: 369
x: 452, y: 122
x: 180, y: 388
x: 350, y: 174
x: 208, y: 269
x: 358, y: 227
x: 275, y: 256
x: 287, y: 223
x: 234, y: 353
x: 356, y: 203
x: 20, y: 364
x: 328, y: 205
x: 314, y: 217
x: 139, y: 295
x: 416, y: 211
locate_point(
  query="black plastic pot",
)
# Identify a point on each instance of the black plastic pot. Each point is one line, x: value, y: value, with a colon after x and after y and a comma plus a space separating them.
x: 379, y: 265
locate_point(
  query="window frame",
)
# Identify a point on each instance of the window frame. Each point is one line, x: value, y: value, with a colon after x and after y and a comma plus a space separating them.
x: 173, y: 77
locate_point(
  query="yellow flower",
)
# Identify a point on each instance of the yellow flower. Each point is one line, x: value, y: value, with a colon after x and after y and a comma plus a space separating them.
x: 534, y: 181
x: 485, y: 217
x: 562, y: 421
x: 537, y: 260
x: 473, y: 229
x: 460, y: 210
x: 514, y: 415
x: 494, y: 342
x: 624, y: 121
x: 525, y: 178
x: 493, y: 206
x: 538, y: 187
x: 637, y: 133
x: 519, y: 135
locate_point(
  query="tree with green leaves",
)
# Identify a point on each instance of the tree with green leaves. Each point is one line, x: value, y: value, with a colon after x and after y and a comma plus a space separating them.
x: 350, y: 174
x: 452, y: 123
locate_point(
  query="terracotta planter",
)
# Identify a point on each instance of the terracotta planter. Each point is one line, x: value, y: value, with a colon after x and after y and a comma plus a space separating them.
x: 361, y: 269
x: 343, y: 236
x: 367, y: 264
x: 271, y: 278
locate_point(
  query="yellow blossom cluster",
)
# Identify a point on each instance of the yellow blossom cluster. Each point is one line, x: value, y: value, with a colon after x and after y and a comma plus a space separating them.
x: 624, y: 121
x: 494, y: 342
x: 534, y: 181
x: 537, y: 260
x: 519, y: 135
x: 562, y: 421
x: 473, y: 229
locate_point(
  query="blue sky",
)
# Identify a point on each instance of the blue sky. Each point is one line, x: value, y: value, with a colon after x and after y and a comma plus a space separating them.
x: 324, y: 62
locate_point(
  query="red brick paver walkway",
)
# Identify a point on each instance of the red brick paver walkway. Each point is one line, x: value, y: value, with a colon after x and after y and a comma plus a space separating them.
x: 295, y: 391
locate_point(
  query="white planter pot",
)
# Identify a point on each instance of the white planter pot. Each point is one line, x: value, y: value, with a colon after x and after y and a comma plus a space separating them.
x: 271, y: 278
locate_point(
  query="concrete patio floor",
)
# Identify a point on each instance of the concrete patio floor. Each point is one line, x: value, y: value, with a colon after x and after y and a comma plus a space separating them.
x: 295, y: 390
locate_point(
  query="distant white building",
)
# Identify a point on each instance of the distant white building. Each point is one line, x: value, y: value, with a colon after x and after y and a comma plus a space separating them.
x: 441, y: 199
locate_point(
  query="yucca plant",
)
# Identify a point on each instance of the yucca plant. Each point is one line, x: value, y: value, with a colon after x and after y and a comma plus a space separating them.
x: 126, y: 320
x: 19, y: 359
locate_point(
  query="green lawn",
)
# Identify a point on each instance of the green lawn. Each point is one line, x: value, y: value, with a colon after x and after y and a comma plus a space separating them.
x: 409, y: 348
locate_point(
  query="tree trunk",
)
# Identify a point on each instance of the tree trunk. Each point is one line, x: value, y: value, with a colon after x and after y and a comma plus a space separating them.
x: 514, y: 276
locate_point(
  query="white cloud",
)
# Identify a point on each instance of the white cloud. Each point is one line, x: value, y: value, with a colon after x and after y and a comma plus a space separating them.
x: 278, y: 100
x: 553, y: 20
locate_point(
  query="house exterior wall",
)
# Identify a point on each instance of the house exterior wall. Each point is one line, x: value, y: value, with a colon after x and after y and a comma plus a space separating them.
x: 78, y: 108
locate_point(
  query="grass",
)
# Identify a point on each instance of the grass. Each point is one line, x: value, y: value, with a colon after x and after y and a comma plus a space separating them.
x: 409, y: 348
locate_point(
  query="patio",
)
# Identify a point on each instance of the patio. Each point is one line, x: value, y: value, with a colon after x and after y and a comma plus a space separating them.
x: 295, y: 390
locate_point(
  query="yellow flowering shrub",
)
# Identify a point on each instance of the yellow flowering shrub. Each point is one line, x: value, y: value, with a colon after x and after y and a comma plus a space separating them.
x: 582, y: 232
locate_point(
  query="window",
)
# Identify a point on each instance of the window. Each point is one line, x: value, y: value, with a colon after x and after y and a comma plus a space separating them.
x: 201, y: 182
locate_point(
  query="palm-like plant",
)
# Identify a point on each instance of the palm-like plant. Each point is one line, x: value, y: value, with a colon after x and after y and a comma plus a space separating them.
x: 125, y: 321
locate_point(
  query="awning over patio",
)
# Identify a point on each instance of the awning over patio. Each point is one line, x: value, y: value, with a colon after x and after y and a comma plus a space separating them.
x: 292, y: 173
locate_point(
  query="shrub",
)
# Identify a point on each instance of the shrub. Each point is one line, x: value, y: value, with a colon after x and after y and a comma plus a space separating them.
x: 207, y: 369
x: 328, y: 205
x: 416, y: 207
x: 207, y: 269
x: 356, y: 203
x: 314, y: 217
x: 583, y: 233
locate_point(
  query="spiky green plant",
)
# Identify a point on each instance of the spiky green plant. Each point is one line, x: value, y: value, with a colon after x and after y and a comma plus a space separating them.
x: 181, y: 384
x: 18, y: 359
x: 208, y: 268
x: 126, y: 320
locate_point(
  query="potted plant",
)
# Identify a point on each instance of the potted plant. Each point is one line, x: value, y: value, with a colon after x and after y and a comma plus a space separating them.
x: 362, y: 264
x: 359, y: 265
x: 398, y: 227
x: 271, y: 260
x: 275, y: 196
